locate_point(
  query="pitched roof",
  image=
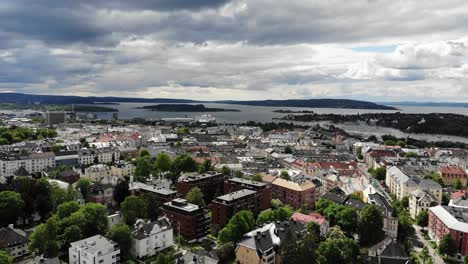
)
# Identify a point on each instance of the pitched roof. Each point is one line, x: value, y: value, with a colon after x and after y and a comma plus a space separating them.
x: 8, y: 238
x: 307, y: 185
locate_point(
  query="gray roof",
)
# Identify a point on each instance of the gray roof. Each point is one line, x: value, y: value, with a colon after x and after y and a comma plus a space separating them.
x: 235, y: 195
x: 143, y: 230
x: 8, y: 238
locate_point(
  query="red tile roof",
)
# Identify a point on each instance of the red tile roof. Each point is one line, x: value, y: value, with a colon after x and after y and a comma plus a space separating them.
x: 312, y: 217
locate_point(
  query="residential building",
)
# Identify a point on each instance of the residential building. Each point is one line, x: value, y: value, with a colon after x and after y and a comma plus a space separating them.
x: 189, y: 220
x: 293, y: 193
x: 55, y: 118
x: 33, y: 163
x: 162, y: 195
x: 122, y: 169
x: 420, y: 200
x: 450, y: 175
x: 226, y: 206
x: 101, y: 193
x: 261, y: 246
x: 264, y: 189
x: 94, y: 250
x: 453, y: 221
x: 149, y: 238
x: 67, y: 158
x: 13, y: 241
x: 400, y: 183
x: 313, y: 218
x: 390, y: 224
x: 210, y: 184
x: 388, y: 251
x: 97, y: 172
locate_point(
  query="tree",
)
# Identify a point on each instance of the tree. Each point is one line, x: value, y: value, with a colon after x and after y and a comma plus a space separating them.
x: 241, y: 223
x: 142, y: 169
x: 424, y: 255
x: 285, y: 175
x: 165, y: 258
x: 151, y: 206
x: 132, y: 208
x: 84, y: 186
x: 70, y: 235
x: 11, y: 205
x: 225, y: 170
x: 370, y: 225
x: 226, y: 252
x: 405, y: 225
x: 66, y: 209
x: 257, y: 177
x: 347, y: 219
x: 121, y: 191
x: 447, y: 246
x: 5, y: 258
x: 380, y: 173
x: 144, y: 153
x: 163, y: 162
x: 57, y: 195
x: 288, y: 150
x: 337, y: 248
x: 405, y: 202
x: 43, y: 239
x: 238, y: 174
x: 195, y: 196
x: 183, y: 163
x: 458, y: 185
x: 122, y: 234
x: 94, y: 219
x: 205, y: 166
x: 422, y: 218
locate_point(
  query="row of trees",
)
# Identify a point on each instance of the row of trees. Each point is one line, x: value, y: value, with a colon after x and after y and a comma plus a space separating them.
x: 172, y: 169
x: 24, y: 196
x: 368, y: 226
x: 19, y: 134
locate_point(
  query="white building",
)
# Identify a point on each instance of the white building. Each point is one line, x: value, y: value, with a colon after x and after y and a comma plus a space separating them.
x: 94, y: 250
x: 13, y: 241
x: 420, y: 200
x: 149, y: 238
x: 122, y: 169
x: 402, y: 184
x: 36, y: 162
x: 97, y: 172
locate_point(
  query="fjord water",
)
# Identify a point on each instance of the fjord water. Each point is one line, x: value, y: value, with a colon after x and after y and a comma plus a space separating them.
x: 266, y: 114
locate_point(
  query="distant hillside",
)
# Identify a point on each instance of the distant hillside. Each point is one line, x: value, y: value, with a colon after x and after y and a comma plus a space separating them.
x: 429, y: 104
x: 19, y: 98
x: 315, y: 103
x: 185, y: 108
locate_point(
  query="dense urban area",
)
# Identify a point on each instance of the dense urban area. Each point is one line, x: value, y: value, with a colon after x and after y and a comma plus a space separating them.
x: 78, y: 190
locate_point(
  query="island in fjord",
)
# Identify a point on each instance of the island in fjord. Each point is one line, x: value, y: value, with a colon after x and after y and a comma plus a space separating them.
x: 184, y: 108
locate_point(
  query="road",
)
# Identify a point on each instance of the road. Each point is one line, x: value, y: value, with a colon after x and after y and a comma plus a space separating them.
x: 435, y: 257
x: 363, y: 168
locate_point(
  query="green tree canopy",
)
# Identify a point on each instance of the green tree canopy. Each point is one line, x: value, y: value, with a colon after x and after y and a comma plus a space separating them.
x: 163, y: 162
x: 195, y: 196
x: 257, y: 177
x: 205, y: 166
x: 447, y: 246
x: 142, y: 168
x: 422, y: 218
x: 11, y: 205
x: 132, y: 208
x: 122, y: 234
x: 5, y: 258
x: 241, y: 223
x: 144, y: 153
x: 285, y: 175
x: 370, y: 225
x: 66, y: 209
x: 337, y: 248
x: 184, y: 163
x: 84, y: 185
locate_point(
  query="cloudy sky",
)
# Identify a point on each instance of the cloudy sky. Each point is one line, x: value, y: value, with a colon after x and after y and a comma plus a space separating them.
x: 237, y: 49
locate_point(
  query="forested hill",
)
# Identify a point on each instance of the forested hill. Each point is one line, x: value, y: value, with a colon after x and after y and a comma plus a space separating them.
x: 20, y: 98
x: 314, y: 103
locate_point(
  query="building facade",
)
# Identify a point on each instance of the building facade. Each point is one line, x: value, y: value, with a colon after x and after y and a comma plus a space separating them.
x: 226, y: 206
x: 294, y: 194
x: 94, y: 250
x: 262, y: 188
x: 149, y: 238
x: 189, y: 220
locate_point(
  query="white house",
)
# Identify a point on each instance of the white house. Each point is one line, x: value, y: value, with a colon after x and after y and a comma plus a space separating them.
x: 94, y: 250
x: 150, y: 238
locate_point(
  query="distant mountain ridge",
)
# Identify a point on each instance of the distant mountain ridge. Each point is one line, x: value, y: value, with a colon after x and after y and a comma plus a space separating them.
x: 20, y: 98
x: 431, y: 104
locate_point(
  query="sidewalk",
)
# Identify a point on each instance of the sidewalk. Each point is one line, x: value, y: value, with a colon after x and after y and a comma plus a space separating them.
x: 435, y: 257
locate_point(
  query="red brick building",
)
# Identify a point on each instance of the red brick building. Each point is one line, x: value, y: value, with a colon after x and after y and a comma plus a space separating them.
x: 453, y: 221
x: 263, y: 189
x: 211, y: 184
x: 186, y: 218
x: 293, y: 193
x: 226, y: 206
x: 450, y: 174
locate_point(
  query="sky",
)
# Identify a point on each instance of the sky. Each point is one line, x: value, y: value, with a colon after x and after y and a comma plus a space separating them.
x: 237, y: 49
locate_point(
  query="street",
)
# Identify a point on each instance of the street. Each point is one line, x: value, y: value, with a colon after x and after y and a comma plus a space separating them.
x: 420, y: 237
